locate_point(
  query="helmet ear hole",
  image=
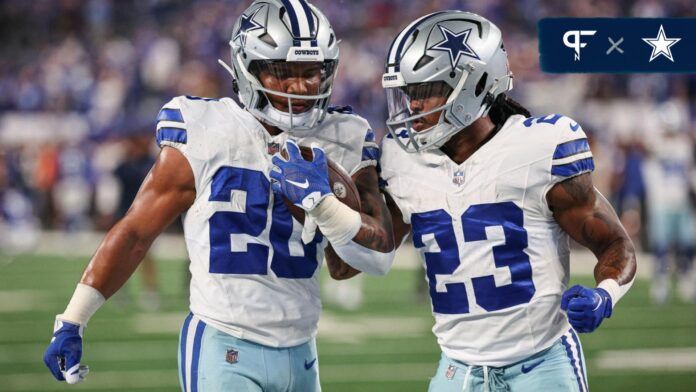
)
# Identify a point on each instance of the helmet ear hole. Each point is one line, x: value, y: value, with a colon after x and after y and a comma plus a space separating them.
x: 425, y: 60
x: 266, y: 38
x: 481, y: 85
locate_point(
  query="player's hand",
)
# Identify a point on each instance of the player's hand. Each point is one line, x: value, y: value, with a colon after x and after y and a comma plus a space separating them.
x: 302, y: 182
x: 586, y: 307
x: 64, y: 353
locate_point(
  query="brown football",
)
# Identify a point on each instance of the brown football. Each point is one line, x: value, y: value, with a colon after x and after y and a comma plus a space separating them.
x: 341, y: 184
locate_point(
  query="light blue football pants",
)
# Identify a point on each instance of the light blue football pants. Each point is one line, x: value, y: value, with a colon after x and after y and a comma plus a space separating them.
x: 559, y: 368
x: 213, y: 361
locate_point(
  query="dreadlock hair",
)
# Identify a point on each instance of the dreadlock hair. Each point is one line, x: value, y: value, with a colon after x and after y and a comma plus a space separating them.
x: 503, y: 107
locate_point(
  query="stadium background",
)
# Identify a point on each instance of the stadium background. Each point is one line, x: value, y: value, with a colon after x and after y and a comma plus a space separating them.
x: 82, y: 81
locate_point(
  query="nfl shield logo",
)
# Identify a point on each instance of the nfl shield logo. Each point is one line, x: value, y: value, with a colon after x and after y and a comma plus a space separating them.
x: 450, y: 372
x: 458, y: 178
x: 273, y: 148
x: 232, y: 356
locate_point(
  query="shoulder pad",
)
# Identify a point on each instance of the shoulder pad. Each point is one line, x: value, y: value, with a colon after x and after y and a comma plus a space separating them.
x: 559, y: 121
x: 343, y: 109
x: 196, y: 98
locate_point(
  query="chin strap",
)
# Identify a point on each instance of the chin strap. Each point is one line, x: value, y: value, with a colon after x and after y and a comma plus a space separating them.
x: 285, y: 120
x: 278, y: 118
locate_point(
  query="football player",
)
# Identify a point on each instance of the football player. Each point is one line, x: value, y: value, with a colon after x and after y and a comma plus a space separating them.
x: 491, y: 195
x: 254, y: 290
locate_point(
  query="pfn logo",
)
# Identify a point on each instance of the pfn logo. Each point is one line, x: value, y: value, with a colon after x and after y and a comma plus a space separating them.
x: 576, y: 43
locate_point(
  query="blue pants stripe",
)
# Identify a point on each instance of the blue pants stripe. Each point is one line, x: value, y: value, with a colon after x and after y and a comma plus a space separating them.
x: 182, y: 348
x: 583, y: 375
x: 196, y: 352
x: 573, y: 362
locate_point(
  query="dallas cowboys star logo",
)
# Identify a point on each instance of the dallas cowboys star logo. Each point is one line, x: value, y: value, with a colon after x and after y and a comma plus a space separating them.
x: 661, y: 45
x: 455, y: 44
x: 247, y: 24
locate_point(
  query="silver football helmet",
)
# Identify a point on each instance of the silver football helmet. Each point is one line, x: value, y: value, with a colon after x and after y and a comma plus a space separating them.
x: 285, y: 39
x: 455, y: 56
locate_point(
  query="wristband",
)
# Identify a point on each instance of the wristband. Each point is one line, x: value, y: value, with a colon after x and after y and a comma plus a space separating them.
x: 615, y: 291
x: 338, y: 222
x: 83, y: 304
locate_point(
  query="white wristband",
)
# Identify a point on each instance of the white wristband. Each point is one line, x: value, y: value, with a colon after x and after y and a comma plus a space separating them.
x: 338, y: 222
x: 83, y: 304
x: 615, y: 290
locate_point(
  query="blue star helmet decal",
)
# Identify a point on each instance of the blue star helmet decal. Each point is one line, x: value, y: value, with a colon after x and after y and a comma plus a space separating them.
x: 455, y: 44
x: 247, y: 24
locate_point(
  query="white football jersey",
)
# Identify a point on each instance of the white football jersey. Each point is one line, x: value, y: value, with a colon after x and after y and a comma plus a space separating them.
x: 496, y: 261
x: 252, y: 276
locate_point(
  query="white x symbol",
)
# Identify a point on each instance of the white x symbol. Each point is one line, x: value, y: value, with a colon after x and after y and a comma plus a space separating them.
x: 615, y: 45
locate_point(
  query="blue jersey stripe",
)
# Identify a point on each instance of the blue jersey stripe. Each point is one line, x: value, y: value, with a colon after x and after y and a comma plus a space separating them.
x: 182, y: 350
x: 370, y: 154
x: 170, y: 115
x: 572, y: 147
x: 397, y: 66
x: 171, y: 134
x: 573, y: 168
x: 573, y: 364
x: 294, y: 23
x: 196, y: 353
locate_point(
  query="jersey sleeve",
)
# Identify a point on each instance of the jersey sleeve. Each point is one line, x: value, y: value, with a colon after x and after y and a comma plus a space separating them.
x: 370, y: 150
x: 571, y: 152
x: 179, y: 126
x: 171, y: 126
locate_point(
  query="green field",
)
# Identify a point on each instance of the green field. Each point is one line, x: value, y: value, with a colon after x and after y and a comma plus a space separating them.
x: 385, y: 346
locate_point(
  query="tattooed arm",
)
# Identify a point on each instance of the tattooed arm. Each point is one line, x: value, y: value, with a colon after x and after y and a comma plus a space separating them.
x: 587, y: 217
x: 591, y: 221
x: 375, y: 231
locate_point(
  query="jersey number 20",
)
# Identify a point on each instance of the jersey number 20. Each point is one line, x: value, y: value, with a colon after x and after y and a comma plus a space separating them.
x: 434, y: 230
x: 236, y: 245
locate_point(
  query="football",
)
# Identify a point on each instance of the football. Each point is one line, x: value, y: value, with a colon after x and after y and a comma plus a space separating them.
x: 340, y: 181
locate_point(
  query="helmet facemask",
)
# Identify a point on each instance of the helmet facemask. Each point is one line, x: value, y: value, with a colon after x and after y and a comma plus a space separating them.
x: 417, y: 112
x: 291, y: 95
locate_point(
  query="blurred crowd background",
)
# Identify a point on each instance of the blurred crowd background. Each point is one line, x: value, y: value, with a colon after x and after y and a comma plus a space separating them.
x: 82, y: 81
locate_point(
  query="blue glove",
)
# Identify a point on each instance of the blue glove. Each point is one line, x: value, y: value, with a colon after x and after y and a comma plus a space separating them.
x: 64, y: 353
x: 586, y: 308
x: 302, y: 182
